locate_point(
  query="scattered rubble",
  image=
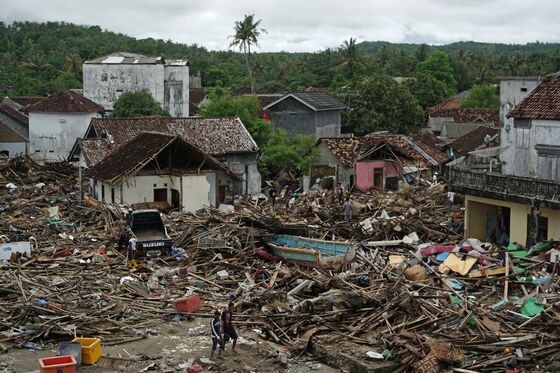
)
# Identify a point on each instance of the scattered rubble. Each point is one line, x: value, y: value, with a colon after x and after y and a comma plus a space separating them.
x: 418, y: 297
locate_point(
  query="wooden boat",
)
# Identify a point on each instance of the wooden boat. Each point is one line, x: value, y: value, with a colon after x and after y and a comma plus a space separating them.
x: 309, y: 252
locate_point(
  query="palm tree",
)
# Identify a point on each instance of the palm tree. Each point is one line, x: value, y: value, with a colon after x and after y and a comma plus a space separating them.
x: 349, y: 51
x: 74, y: 64
x: 247, y: 33
x: 36, y: 63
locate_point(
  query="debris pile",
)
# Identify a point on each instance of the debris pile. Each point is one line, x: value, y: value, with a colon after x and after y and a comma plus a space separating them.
x: 416, y: 297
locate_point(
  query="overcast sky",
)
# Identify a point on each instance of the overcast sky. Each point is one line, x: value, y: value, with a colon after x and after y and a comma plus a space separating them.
x: 306, y: 25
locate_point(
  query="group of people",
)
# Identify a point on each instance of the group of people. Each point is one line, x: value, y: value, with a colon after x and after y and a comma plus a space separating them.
x: 223, y: 330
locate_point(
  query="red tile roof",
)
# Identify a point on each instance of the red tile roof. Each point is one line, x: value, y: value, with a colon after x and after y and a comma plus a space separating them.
x: 26, y: 100
x: 66, y: 101
x: 9, y: 135
x: 542, y: 103
x: 473, y: 140
x: 427, y: 138
x: 346, y: 149
x: 452, y: 103
x: 16, y: 115
x: 466, y: 115
x: 134, y: 155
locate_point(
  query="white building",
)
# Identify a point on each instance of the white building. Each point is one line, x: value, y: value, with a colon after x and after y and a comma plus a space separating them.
x: 534, y: 135
x: 160, y: 168
x: 56, y: 122
x: 106, y: 78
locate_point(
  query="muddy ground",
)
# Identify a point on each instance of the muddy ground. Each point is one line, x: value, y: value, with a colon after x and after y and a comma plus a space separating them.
x: 173, y: 345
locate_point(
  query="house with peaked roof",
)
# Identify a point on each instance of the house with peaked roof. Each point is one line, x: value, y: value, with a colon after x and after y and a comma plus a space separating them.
x: 162, y: 169
x: 376, y: 160
x: 14, y: 128
x: 56, y: 122
x: 107, y: 77
x: 226, y: 139
x: 308, y: 113
x: 522, y: 202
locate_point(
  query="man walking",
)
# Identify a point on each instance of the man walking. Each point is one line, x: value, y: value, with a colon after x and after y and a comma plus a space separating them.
x: 216, y: 334
x: 229, y: 330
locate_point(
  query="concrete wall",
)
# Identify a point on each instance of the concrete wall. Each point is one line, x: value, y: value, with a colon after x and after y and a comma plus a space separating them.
x: 195, y: 191
x: 325, y: 159
x: 435, y: 124
x: 13, y: 148
x: 245, y: 165
x: 521, y: 158
x: 476, y: 209
x: 104, y: 83
x: 176, y: 91
x: 52, y: 135
x: 364, y: 172
x: 328, y: 123
x: 512, y: 91
x: 14, y: 125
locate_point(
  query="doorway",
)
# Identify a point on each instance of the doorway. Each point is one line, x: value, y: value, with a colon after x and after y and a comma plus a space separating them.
x: 222, y: 193
x: 175, y: 198
x: 160, y: 195
x: 378, y: 177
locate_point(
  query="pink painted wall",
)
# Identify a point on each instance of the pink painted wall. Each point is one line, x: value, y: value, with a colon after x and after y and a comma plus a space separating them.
x: 364, y: 171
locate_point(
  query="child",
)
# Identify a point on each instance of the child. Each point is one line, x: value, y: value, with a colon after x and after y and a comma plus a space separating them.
x: 216, y: 334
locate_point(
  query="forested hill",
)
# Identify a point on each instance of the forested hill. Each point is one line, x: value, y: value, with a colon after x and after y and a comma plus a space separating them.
x: 39, y: 58
x: 373, y: 47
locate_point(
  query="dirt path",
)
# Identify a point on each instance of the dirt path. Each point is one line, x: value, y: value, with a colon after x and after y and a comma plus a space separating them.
x: 172, y: 345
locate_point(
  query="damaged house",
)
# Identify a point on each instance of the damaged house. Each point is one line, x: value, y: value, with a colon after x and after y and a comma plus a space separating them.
x: 160, y: 168
x: 225, y: 139
x: 377, y: 160
x: 522, y: 203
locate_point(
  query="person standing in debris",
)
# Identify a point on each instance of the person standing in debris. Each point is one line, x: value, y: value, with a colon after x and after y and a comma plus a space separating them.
x: 339, y: 194
x: 132, y: 252
x: 123, y: 237
x: 236, y: 204
x: 229, y: 330
x: 347, y: 210
x: 450, y: 198
x: 216, y: 334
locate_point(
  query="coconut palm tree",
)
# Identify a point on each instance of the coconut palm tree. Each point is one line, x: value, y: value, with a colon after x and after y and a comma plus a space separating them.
x: 247, y: 33
x: 74, y: 64
x: 349, y: 51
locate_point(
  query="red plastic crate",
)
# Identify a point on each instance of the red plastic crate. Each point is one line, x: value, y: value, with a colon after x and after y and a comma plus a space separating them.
x: 58, y: 364
x: 189, y: 303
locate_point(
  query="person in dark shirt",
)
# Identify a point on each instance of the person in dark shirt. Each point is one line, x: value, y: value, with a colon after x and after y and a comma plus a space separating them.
x: 216, y: 334
x: 229, y: 330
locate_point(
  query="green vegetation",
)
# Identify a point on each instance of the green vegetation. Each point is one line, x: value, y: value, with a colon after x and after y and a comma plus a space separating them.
x: 136, y: 104
x: 482, y: 96
x: 247, y: 33
x: 39, y: 58
x: 279, y: 150
x: 380, y: 103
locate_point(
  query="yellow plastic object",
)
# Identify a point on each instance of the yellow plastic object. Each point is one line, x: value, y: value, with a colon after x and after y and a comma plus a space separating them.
x: 91, y: 350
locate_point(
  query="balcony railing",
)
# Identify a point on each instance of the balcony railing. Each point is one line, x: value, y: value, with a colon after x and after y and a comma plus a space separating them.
x: 463, y: 179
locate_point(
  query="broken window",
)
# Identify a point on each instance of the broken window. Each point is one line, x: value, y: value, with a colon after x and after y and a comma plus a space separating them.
x: 521, y: 123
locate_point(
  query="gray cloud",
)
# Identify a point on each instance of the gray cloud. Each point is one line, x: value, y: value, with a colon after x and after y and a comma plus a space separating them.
x: 310, y: 25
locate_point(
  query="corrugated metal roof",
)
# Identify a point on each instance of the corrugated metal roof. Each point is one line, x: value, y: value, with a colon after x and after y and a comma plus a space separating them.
x: 127, y: 58
x: 317, y: 101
